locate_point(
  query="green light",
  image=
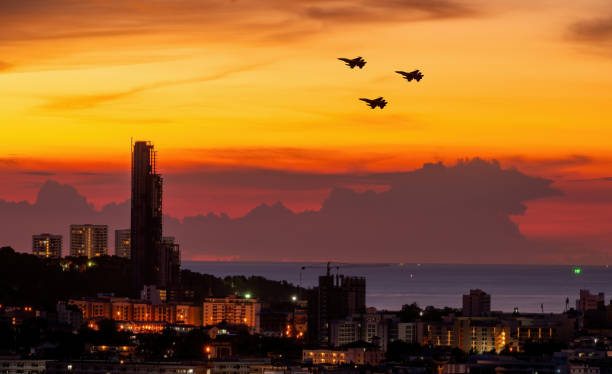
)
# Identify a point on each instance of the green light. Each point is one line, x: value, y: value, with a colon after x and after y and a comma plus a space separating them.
x: 90, y: 263
x: 247, y: 295
x: 577, y: 271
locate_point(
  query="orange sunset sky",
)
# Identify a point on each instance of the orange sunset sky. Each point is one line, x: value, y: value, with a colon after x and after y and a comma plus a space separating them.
x: 234, y: 84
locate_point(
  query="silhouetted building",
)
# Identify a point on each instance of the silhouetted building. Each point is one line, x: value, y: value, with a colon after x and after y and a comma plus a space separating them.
x: 47, y: 245
x: 155, y: 261
x: 88, y: 240
x: 122, y: 243
x: 589, y: 301
x: 476, y: 304
x: 354, y: 293
x: 336, y: 298
x: 146, y: 217
x: 171, y: 264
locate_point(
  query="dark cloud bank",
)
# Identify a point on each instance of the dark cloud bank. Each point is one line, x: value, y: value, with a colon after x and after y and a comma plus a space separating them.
x: 437, y: 213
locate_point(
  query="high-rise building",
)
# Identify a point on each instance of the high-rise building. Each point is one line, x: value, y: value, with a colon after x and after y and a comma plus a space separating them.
x: 122, y: 243
x: 47, y: 245
x: 146, y: 217
x: 88, y: 240
x: 336, y: 298
x: 156, y: 262
x: 476, y: 304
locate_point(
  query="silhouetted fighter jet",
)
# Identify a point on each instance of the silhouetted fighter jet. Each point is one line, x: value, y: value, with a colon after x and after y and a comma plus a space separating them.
x: 416, y: 75
x: 357, y: 61
x: 379, y: 102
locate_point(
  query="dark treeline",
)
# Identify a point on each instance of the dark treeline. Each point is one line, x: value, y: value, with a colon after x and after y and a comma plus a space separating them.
x: 28, y: 280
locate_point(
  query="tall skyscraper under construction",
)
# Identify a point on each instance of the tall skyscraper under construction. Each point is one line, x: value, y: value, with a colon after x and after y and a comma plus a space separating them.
x: 151, y: 256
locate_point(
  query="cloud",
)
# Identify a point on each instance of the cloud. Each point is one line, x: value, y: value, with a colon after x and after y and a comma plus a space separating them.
x: 593, y: 35
x: 557, y: 167
x: 436, y: 213
x: 594, y: 30
x: 88, y: 101
x: 9, y: 162
x: 38, y: 19
x: 39, y: 173
x: 268, y: 179
x: 570, y: 160
x: 390, y: 10
x: 602, y: 179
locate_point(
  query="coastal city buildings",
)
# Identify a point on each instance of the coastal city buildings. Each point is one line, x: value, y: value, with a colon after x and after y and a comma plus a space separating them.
x: 47, y: 245
x: 328, y: 328
x: 122, y: 243
x: 88, y: 240
x: 140, y: 315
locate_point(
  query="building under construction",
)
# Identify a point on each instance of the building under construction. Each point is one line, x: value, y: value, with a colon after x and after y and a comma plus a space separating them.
x: 156, y: 262
x: 336, y: 297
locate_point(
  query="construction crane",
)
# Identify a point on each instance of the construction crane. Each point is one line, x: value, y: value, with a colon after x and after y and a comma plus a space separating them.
x: 337, y: 266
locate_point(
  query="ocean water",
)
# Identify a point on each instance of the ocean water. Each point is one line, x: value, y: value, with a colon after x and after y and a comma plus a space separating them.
x: 389, y: 286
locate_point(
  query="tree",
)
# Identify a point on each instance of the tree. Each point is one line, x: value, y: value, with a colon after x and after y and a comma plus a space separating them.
x: 409, y: 312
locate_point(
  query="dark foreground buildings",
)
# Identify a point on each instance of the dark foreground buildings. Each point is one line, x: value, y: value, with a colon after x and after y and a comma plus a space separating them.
x: 336, y: 298
x: 155, y: 261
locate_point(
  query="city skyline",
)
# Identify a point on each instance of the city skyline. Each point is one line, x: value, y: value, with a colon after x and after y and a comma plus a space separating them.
x: 471, y: 236
x: 305, y: 187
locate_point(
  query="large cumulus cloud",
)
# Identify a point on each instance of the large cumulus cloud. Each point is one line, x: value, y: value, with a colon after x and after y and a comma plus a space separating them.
x: 438, y: 213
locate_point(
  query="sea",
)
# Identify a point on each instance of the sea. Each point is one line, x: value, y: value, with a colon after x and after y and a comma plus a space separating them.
x: 530, y: 288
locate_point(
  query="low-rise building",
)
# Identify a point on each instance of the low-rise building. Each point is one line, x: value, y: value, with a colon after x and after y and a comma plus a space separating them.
x: 324, y: 356
x: 19, y: 366
x: 233, y: 311
x: 136, y: 315
x: 119, y: 367
x: 580, y: 367
x: 356, y: 355
x: 255, y: 366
